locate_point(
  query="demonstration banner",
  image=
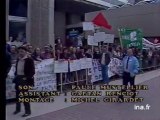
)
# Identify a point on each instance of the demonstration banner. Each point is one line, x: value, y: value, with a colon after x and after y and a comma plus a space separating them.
x: 131, y: 37
x: 96, y: 71
x: 45, y: 78
x: 61, y: 66
x: 114, y: 67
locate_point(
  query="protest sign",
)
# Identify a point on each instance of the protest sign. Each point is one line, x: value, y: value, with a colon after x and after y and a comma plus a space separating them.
x: 86, y: 63
x: 96, y: 71
x: 88, y: 26
x: 74, y: 65
x: 44, y: 78
x: 131, y: 38
x: 91, y: 41
x: 109, y: 38
x: 114, y: 67
x: 61, y: 66
x: 99, y: 36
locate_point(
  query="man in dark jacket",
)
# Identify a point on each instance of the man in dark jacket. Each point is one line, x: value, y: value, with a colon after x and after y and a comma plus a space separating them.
x: 105, y: 60
x: 24, y: 73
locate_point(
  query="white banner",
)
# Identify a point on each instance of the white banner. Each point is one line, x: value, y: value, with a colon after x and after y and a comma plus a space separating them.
x: 114, y: 67
x: 75, y: 65
x: 88, y: 26
x: 45, y: 78
x: 96, y: 71
x: 91, y: 41
x: 86, y: 63
x: 109, y: 38
x: 99, y: 36
x: 61, y: 66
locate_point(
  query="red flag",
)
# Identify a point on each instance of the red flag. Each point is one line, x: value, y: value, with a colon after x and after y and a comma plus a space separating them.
x: 101, y: 21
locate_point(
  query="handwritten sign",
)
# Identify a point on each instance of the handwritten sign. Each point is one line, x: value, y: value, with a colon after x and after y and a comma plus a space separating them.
x: 96, y: 71
x: 91, y: 41
x: 109, y: 38
x: 61, y: 66
x: 74, y: 65
x: 44, y: 78
x: 114, y: 67
x: 99, y: 36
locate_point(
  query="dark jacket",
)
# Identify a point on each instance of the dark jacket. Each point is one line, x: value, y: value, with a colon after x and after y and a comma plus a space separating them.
x: 107, y: 58
x: 96, y: 55
x: 29, y: 71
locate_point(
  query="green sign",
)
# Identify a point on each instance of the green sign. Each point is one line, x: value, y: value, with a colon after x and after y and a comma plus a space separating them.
x: 131, y: 38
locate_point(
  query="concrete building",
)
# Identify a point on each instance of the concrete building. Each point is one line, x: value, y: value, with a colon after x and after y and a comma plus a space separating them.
x: 41, y: 21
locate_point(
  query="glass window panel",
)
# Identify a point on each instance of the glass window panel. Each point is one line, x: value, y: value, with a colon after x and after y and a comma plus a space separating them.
x: 17, y: 31
x: 18, y: 8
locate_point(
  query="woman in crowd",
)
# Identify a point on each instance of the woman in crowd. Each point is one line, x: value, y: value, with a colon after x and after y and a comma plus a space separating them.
x: 37, y: 54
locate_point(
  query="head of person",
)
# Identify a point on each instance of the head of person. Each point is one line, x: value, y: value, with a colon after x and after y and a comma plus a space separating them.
x: 96, y: 49
x: 46, y: 49
x: 30, y: 48
x: 13, y: 49
x: 37, y: 51
x: 104, y: 49
x: 130, y: 52
x: 22, y: 52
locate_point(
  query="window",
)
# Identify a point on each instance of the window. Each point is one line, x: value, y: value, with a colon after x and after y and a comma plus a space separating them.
x: 17, y: 31
x: 18, y: 8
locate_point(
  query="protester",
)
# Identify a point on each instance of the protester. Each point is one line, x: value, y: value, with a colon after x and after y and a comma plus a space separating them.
x: 47, y: 54
x: 105, y: 60
x: 96, y: 54
x: 89, y: 53
x: 37, y: 55
x: 25, y: 70
x: 130, y: 70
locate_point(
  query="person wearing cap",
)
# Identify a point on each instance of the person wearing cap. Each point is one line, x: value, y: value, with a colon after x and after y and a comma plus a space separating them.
x: 24, y: 76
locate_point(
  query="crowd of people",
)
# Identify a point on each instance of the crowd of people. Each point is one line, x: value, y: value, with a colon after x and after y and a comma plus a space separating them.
x: 24, y: 55
x: 148, y: 57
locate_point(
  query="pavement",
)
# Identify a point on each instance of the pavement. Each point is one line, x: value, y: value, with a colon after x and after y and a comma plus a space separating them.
x: 59, y: 110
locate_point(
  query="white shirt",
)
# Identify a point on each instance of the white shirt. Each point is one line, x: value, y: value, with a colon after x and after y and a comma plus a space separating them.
x: 20, y: 66
x: 103, y: 59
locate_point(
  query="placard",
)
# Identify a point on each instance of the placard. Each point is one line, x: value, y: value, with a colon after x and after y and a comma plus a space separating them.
x: 91, y: 41
x: 88, y: 26
x: 61, y: 66
x: 109, y: 38
x: 99, y: 36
